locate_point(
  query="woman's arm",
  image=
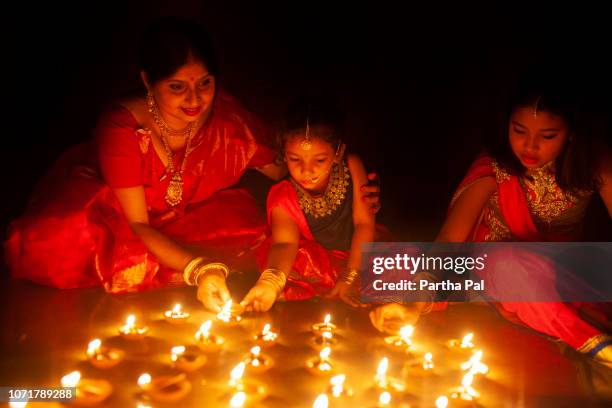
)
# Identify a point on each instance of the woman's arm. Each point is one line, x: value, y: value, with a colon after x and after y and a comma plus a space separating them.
x: 605, y: 176
x: 363, y: 219
x: 212, y: 290
x: 462, y: 218
x: 273, y: 171
x: 169, y: 253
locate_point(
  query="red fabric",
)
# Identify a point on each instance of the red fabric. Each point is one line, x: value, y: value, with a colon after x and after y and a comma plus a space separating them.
x: 315, y: 269
x: 512, y: 202
x: 514, y: 209
x: 74, y: 233
x: 556, y: 319
x: 231, y: 141
x: 122, y: 150
x: 283, y: 195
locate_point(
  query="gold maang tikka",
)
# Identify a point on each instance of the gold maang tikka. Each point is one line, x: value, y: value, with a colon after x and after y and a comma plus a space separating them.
x: 535, y: 107
x: 306, y: 142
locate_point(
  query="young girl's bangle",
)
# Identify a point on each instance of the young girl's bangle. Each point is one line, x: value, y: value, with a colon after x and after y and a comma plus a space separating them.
x: 275, y: 277
x: 350, y: 276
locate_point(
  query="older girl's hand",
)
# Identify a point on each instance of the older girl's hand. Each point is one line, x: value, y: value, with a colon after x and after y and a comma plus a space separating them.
x: 390, y: 317
x: 347, y: 293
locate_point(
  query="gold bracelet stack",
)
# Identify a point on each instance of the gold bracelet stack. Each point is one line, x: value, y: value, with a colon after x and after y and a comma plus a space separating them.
x: 191, y: 266
x: 350, y: 275
x: 274, y: 277
x: 198, y: 266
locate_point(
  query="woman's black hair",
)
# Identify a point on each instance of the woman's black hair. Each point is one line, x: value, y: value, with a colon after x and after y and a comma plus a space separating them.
x: 171, y: 42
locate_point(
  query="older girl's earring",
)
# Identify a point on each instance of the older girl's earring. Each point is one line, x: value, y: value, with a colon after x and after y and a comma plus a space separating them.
x: 150, y: 101
x: 339, y: 153
x: 535, y: 107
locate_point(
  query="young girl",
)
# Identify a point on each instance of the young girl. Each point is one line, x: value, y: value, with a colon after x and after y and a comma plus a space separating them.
x: 317, y: 218
x: 534, y: 187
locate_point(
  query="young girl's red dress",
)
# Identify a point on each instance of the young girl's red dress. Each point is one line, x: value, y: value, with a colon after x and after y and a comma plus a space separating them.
x: 318, y: 264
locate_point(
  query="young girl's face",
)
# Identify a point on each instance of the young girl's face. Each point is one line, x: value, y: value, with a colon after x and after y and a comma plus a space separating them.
x: 310, y: 168
x: 536, y: 137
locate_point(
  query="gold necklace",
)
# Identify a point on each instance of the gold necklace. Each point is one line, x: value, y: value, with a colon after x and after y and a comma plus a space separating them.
x: 161, y: 123
x: 334, y: 195
x: 174, y: 193
x: 544, y: 196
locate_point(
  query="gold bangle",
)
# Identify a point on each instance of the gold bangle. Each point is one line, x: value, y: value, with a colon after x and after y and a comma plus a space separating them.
x: 275, y: 277
x: 350, y: 275
x: 191, y: 266
x: 202, y: 269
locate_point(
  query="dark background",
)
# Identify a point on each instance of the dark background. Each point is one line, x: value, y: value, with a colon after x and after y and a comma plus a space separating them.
x: 423, y: 86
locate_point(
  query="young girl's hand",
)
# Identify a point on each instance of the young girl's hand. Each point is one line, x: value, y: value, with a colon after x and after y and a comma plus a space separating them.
x: 347, y: 293
x: 260, y: 298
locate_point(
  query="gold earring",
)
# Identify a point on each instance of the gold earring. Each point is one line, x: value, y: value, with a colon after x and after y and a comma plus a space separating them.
x: 339, y: 152
x: 150, y: 101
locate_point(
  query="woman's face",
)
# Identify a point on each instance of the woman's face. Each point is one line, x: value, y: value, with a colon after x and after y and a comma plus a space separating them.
x: 536, y: 138
x: 309, y: 168
x: 185, y: 96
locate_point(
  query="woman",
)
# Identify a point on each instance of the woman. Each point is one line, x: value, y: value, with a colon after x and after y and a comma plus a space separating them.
x: 149, y: 203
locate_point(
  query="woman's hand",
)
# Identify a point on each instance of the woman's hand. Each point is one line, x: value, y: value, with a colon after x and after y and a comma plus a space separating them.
x: 371, y: 193
x: 347, y: 293
x: 390, y: 317
x: 212, y: 290
x: 260, y: 298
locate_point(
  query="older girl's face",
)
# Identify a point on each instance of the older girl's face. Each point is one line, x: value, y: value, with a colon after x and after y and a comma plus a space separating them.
x: 185, y: 96
x: 536, y: 138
